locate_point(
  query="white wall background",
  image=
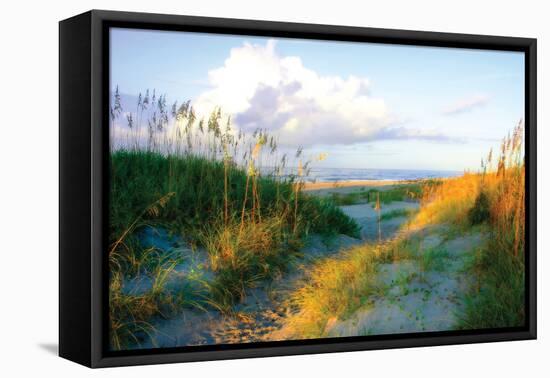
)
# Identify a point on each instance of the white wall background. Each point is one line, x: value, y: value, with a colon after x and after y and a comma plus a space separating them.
x: 29, y: 189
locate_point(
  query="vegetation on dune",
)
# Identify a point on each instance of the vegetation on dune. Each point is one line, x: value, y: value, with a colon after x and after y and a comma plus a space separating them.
x: 243, y: 255
x: 199, y: 198
x: 219, y: 189
x: 397, y: 213
x: 407, y: 191
x: 403, y: 192
x: 130, y: 314
x: 493, y: 199
x: 499, y: 299
x: 338, y: 286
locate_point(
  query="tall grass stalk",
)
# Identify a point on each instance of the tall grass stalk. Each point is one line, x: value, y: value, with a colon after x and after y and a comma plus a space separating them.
x: 378, y: 209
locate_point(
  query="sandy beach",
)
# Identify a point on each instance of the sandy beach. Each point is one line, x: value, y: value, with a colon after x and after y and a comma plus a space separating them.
x: 345, y: 187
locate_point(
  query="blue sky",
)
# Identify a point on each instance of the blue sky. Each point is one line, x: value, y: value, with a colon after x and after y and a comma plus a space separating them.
x: 367, y: 105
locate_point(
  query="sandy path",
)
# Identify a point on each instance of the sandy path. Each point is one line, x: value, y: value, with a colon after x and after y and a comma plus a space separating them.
x: 417, y: 299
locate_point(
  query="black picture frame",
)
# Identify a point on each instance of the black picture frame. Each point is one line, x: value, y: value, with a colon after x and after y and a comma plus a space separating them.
x: 83, y: 181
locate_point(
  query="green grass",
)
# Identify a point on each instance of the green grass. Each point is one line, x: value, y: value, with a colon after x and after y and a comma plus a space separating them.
x: 397, y: 213
x: 130, y: 313
x: 242, y: 257
x: 335, y: 288
x: 497, y: 299
x: 346, y: 199
x: 402, y: 249
x: 140, y: 178
x: 188, y: 196
x: 399, y: 192
x: 434, y: 259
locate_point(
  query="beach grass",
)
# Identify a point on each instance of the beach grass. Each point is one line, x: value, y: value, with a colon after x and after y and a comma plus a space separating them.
x: 205, y: 184
x: 402, y: 191
x: 336, y: 287
x: 397, y: 213
x: 493, y: 199
x: 242, y: 251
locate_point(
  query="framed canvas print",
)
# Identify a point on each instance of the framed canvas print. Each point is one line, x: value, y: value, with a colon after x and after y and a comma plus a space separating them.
x: 234, y: 188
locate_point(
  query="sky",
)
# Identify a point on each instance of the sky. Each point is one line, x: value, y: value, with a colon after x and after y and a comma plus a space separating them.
x: 367, y: 105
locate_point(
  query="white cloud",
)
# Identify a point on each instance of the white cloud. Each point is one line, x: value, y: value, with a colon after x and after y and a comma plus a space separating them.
x: 467, y: 104
x: 264, y: 90
x: 261, y: 89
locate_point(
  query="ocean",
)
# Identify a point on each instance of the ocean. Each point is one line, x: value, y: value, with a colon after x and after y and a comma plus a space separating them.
x: 352, y: 174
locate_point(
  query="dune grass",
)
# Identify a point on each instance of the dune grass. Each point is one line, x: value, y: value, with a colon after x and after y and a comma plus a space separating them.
x: 338, y: 286
x: 406, y: 191
x: 493, y: 199
x: 241, y: 252
x: 397, y: 213
x: 433, y: 259
x: 216, y: 188
x: 334, y: 288
x: 130, y: 313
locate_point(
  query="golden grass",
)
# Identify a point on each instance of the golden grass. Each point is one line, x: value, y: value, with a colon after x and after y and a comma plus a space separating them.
x: 336, y: 287
x: 227, y: 244
x: 501, y: 182
x: 448, y: 202
x: 242, y: 254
